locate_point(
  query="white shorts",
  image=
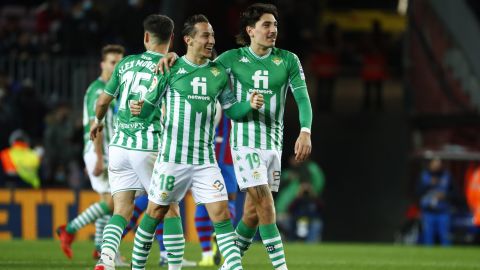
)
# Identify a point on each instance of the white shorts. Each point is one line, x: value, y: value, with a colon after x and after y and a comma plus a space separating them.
x: 130, y: 169
x: 256, y: 167
x: 170, y: 182
x: 99, y: 183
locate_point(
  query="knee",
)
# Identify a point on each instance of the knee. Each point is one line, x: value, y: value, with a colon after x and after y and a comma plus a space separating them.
x: 156, y: 211
x: 125, y: 210
x: 173, y: 211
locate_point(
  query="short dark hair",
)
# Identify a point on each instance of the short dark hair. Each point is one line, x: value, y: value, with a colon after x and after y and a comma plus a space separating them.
x: 159, y: 26
x: 189, y: 25
x: 250, y: 17
x: 112, y: 48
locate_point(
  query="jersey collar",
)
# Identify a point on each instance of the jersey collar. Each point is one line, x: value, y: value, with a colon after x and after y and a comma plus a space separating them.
x: 195, y: 65
x: 154, y: 53
x: 260, y: 57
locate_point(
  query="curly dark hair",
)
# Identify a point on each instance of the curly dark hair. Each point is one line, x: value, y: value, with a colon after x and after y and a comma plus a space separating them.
x: 250, y: 17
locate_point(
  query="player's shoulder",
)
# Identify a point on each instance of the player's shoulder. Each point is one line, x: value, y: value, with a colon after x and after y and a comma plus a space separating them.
x: 232, y: 53
x: 96, y: 85
x: 283, y: 53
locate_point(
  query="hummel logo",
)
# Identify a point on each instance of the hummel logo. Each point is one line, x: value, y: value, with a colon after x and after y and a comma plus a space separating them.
x: 182, y: 71
x: 244, y: 60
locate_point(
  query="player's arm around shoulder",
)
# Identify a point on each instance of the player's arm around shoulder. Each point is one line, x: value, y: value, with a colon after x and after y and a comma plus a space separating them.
x: 153, y: 96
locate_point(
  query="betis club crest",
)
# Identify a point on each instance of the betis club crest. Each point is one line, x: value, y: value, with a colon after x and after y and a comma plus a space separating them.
x: 277, y: 60
x: 215, y: 71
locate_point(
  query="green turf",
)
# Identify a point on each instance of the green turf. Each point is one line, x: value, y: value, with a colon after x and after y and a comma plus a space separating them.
x: 46, y: 254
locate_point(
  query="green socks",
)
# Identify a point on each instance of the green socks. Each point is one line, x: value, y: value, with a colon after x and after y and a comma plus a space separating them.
x: 143, y: 241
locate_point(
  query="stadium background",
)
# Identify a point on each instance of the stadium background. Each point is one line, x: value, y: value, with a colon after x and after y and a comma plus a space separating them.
x: 371, y: 158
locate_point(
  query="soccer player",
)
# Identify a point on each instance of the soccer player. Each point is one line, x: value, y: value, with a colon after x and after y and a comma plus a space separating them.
x: 187, y: 160
x: 257, y: 140
x: 95, y: 155
x: 140, y: 206
x: 203, y: 224
x: 135, y: 143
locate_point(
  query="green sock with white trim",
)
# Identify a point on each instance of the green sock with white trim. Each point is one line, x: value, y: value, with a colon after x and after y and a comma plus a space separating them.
x: 226, y: 239
x: 273, y: 243
x: 245, y: 236
x: 88, y: 216
x: 143, y: 241
x: 174, y: 242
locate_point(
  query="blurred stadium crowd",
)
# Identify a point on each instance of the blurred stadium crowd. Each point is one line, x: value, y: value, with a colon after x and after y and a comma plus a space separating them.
x: 79, y: 28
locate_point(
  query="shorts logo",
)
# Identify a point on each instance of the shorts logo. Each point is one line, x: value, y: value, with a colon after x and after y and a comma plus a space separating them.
x: 244, y: 179
x: 164, y: 196
x: 218, y: 185
x: 277, y: 175
x: 256, y: 175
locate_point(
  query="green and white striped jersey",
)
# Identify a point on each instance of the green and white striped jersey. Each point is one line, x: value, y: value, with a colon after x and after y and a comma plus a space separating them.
x: 130, y: 81
x: 271, y: 75
x: 191, y: 92
x: 89, y: 101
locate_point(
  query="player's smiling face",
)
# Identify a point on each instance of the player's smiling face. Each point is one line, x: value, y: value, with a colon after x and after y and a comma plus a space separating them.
x: 203, y: 41
x: 265, y: 31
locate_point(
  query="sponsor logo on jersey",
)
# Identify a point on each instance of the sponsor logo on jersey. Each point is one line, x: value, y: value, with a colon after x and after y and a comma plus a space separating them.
x: 181, y: 71
x: 260, y: 76
x: 277, y: 60
x: 215, y: 71
x: 199, y: 85
x: 244, y: 60
x: 135, y: 125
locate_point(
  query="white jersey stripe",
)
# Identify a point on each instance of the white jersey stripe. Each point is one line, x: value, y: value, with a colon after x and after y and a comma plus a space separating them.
x: 196, y: 138
x: 174, y: 124
x: 150, y: 137
x: 206, y: 136
x: 186, y: 132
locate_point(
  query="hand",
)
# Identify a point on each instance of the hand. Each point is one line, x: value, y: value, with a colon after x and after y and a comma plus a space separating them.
x: 166, y: 62
x: 99, y: 167
x: 303, y: 146
x: 94, y: 129
x: 256, y: 100
x: 136, y: 107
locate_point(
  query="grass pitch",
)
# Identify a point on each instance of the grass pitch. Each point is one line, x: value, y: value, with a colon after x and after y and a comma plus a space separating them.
x: 46, y: 254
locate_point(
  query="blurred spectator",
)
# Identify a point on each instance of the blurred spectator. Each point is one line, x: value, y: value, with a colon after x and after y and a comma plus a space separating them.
x: 435, y: 191
x: 409, y: 233
x: 301, y: 183
x: 30, y: 110
x: 325, y: 65
x: 7, y: 115
x: 20, y: 164
x: 374, y: 68
x: 59, y: 149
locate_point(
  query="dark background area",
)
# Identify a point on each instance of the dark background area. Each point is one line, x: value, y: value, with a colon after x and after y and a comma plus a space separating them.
x: 49, y: 52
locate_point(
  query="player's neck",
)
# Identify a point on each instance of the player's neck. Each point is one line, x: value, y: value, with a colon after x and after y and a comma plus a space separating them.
x: 194, y: 59
x: 104, y: 77
x: 260, y: 50
x: 159, y: 48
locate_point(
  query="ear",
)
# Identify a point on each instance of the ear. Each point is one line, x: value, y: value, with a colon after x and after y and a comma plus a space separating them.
x: 146, y: 37
x: 188, y: 40
x: 249, y: 30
